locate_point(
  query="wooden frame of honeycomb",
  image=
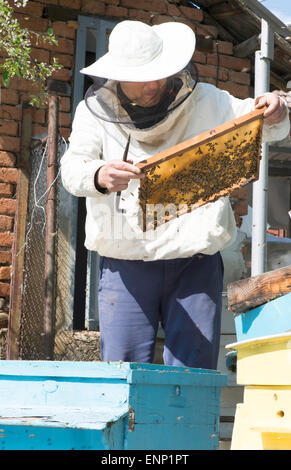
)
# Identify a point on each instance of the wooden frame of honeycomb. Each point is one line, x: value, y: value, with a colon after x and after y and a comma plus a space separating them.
x: 200, y: 170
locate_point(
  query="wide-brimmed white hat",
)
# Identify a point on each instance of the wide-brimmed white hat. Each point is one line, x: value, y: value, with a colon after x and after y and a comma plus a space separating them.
x: 138, y: 52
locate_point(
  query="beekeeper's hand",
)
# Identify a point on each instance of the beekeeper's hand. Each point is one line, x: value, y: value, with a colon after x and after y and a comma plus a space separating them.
x: 116, y: 174
x: 276, y: 108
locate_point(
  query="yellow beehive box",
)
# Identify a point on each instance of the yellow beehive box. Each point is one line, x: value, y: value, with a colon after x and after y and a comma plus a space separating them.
x: 263, y: 421
x: 264, y: 361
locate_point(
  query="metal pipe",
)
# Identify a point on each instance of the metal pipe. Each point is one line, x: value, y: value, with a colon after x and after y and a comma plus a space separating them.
x: 49, y: 301
x: 260, y: 187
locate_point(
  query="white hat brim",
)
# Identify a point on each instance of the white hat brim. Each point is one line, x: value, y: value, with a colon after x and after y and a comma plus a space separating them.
x: 178, y: 49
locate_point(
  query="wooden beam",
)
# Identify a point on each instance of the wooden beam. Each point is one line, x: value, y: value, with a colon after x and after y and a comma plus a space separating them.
x: 18, y: 252
x: 245, y: 48
x: 254, y: 291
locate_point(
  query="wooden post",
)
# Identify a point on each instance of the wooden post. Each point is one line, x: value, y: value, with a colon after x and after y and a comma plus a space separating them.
x: 18, y: 251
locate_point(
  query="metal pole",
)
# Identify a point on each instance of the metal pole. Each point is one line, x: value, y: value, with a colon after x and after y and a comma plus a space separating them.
x: 49, y: 301
x: 260, y: 187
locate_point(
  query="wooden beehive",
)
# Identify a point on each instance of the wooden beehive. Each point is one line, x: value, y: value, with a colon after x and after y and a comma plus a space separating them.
x: 200, y: 170
x: 52, y: 405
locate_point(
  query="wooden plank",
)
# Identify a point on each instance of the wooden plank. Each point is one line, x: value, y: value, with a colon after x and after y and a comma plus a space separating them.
x: 249, y: 293
x: 201, y: 139
x: 18, y: 252
x: 245, y: 48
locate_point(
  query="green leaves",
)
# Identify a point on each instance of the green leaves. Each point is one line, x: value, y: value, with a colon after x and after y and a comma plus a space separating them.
x: 5, y: 78
x: 15, y: 47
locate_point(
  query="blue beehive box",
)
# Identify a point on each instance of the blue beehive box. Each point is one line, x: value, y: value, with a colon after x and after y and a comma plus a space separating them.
x: 271, y: 318
x: 112, y: 406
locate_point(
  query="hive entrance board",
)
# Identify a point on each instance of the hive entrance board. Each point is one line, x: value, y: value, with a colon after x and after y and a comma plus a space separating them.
x: 200, y: 170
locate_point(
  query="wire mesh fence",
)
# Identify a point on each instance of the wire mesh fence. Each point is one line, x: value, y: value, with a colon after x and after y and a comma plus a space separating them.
x: 68, y: 344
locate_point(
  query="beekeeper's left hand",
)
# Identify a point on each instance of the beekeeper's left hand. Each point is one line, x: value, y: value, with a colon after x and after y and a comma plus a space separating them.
x: 276, y: 108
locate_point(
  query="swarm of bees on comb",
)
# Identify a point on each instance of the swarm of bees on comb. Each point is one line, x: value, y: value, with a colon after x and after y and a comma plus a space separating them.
x: 200, y: 170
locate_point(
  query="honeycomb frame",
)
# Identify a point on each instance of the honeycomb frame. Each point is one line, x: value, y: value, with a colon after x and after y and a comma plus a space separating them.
x: 201, y: 169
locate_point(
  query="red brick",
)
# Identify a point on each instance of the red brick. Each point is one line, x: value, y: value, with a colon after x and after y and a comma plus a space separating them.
x: 210, y: 71
x: 239, y: 91
x: 191, y: 13
x: 92, y: 6
x: 65, y: 104
x: 10, y: 112
x: 159, y: 19
x: 65, y: 45
x: 5, y: 273
x: 6, y: 239
x: 52, y: 2
x: 39, y: 131
x: 206, y: 30
x: 112, y: 2
x: 12, y: 144
x: 8, y: 96
x: 240, y: 77
x: 41, y: 55
x: 199, y: 57
x: 7, y: 189
x: 61, y: 28
x: 7, y: 159
x: 75, y: 4
x: 5, y: 257
x: 32, y: 23
x: 139, y: 15
x: 223, y: 47
x: 236, y: 63
x: 62, y: 74
x: 23, y: 84
x: 158, y: 6
x: 65, y: 119
x: 39, y: 115
x: 119, y: 12
x: 65, y: 133
x: 4, y: 289
x: 64, y: 59
x: 6, y: 223
x: 241, y: 207
x: 8, y: 128
x: 32, y: 8
x: 8, y: 175
x: 240, y: 193
x: 173, y: 10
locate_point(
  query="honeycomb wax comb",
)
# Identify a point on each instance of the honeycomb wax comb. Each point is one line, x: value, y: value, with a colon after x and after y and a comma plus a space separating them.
x: 200, y: 170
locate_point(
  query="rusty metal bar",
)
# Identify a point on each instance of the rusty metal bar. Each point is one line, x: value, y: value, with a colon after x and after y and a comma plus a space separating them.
x: 49, y: 301
x: 18, y: 251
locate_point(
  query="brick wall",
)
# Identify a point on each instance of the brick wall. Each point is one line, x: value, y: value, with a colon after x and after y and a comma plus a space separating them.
x: 233, y: 75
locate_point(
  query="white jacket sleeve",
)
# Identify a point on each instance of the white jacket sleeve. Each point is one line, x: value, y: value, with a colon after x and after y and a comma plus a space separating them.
x: 83, y: 157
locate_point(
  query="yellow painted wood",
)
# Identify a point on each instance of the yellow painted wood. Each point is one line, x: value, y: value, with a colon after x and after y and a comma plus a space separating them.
x: 246, y: 438
x: 264, y: 361
x: 263, y: 421
x: 242, y: 436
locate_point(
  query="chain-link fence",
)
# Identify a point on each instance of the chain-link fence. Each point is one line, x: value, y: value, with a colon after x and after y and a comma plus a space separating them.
x: 68, y: 344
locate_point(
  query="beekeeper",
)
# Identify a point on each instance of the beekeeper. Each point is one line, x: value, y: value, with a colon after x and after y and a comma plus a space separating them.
x: 145, y: 87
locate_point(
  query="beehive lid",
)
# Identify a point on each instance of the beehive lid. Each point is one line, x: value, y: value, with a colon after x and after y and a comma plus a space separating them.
x: 200, y: 170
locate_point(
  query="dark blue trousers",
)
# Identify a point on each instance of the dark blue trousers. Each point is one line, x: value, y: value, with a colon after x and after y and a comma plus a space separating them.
x: 183, y: 295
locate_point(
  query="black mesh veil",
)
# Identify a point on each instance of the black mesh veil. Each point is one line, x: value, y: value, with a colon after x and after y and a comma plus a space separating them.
x: 105, y: 99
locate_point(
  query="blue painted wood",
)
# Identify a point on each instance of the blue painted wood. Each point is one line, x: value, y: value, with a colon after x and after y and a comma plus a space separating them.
x: 97, y: 405
x: 271, y: 318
